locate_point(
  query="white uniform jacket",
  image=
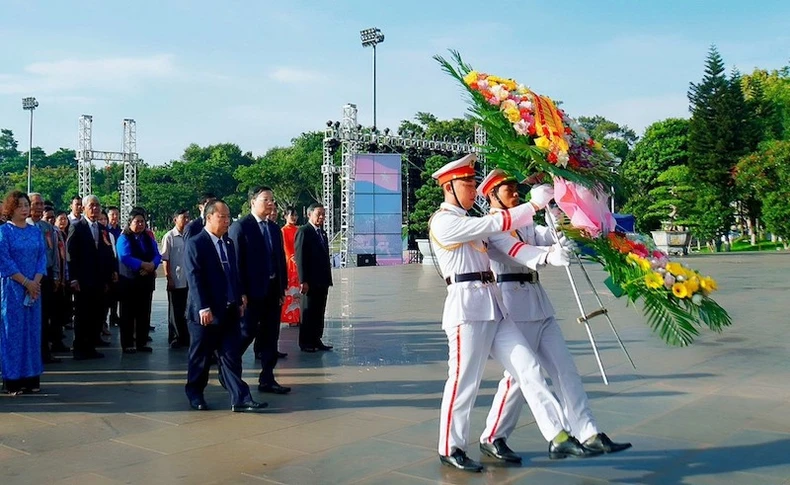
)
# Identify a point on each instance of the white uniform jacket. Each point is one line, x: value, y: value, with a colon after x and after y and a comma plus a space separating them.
x: 520, y: 251
x: 460, y: 245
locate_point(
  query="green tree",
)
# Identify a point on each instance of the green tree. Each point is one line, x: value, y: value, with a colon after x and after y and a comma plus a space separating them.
x: 294, y: 173
x: 766, y: 173
x: 721, y: 130
x: 63, y: 157
x: 769, y: 93
x: 673, y: 199
x: 429, y: 197
x: 9, y: 148
x: 618, y: 139
x: 663, y: 145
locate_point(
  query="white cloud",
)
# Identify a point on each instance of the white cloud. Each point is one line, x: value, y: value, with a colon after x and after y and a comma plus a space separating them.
x: 289, y: 75
x: 110, y: 74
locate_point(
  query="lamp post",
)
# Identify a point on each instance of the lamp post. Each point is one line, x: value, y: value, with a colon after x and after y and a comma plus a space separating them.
x: 30, y: 104
x: 370, y: 38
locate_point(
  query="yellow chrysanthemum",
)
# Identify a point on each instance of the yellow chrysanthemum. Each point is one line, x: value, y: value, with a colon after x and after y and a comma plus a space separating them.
x: 513, y: 115
x: 643, y: 264
x: 679, y: 290
x: 676, y: 269
x: 509, y: 84
x: 471, y: 77
x: 692, y: 284
x: 708, y: 284
x: 654, y: 280
x: 542, y: 142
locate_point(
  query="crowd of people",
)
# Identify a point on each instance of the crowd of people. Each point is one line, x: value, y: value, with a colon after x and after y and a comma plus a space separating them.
x: 229, y: 287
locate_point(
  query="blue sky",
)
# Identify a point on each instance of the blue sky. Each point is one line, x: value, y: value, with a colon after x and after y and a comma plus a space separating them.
x: 258, y: 73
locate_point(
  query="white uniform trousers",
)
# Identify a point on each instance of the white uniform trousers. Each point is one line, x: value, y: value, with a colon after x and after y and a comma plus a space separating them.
x: 545, y: 337
x: 470, y: 345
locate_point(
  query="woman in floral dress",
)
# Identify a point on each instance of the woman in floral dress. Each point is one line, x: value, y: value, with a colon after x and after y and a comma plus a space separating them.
x: 290, y: 312
x: 23, y: 262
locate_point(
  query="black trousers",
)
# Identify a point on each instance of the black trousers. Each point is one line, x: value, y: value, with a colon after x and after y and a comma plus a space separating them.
x: 177, y: 316
x: 135, y: 315
x: 313, y: 306
x: 47, y: 312
x: 89, y: 306
x: 224, y: 341
x: 261, y: 323
x: 60, y: 315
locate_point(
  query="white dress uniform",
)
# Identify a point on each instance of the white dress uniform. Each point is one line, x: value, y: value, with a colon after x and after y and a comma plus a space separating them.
x: 476, y: 323
x: 529, y: 306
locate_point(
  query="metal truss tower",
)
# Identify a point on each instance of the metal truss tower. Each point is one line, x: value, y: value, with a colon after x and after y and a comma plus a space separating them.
x: 351, y: 139
x: 130, y: 160
x: 84, y: 155
x: 128, y: 157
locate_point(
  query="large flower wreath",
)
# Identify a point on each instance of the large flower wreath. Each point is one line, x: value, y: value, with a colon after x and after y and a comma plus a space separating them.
x: 527, y: 135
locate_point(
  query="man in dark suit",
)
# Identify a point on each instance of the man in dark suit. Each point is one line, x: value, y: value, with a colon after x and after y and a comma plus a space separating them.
x: 195, y: 226
x: 315, y: 277
x: 261, y: 261
x: 214, y: 306
x: 92, y: 268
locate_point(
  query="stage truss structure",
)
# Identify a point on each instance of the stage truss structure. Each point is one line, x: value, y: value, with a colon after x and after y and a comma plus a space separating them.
x: 128, y: 157
x: 351, y: 139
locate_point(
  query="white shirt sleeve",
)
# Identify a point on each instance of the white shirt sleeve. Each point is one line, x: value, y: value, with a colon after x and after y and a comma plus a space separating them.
x: 506, y: 249
x: 458, y: 229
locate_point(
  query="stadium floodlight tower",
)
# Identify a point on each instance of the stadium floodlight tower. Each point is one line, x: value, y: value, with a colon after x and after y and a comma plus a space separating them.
x: 30, y: 104
x: 371, y: 38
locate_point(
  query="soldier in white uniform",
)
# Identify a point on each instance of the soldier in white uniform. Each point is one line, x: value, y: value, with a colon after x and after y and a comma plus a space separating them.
x: 516, y: 259
x: 475, y: 319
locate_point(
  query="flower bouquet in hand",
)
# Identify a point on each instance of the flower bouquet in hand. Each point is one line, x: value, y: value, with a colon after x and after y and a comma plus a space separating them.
x: 528, y: 135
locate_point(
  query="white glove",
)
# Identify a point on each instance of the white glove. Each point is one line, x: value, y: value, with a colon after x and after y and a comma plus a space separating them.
x: 556, y: 214
x: 541, y: 195
x: 558, y: 255
x: 568, y: 244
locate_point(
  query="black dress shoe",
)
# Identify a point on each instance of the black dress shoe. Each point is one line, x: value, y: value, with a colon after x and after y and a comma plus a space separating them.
x: 500, y: 450
x: 309, y: 349
x: 274, y: 388
x: 145, y: 348
x: 51, y: 360
x: 324, y: 347
x: 281, y: 355
x: 460, y: 461
x: 103, y: 343
x: 151, y: 328
x: 602, y: 443
x: 570, y: 447
x: 249, y: 407
x: 198, y: 404
x: 130, y: 350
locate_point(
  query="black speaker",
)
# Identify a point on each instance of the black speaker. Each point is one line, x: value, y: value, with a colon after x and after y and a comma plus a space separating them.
x: 366, y: 260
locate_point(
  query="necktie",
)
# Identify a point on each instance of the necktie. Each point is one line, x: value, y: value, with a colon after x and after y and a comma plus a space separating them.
x: 266, y: 235
x: 223, y: 256
x: 95, y: 232
x: 320, y: 236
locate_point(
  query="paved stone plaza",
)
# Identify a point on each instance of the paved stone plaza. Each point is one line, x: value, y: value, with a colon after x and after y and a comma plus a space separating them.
x: 368, y: 412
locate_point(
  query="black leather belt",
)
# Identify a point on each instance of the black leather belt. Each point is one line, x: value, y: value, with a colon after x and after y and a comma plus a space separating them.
x: 519, y: 277
x: 484, y: 276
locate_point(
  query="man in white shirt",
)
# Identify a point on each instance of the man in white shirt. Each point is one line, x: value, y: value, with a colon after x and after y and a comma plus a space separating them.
x: 76, y: 209
x: 173, y: 244
x: 516, y: 258
x: 476, y: 321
